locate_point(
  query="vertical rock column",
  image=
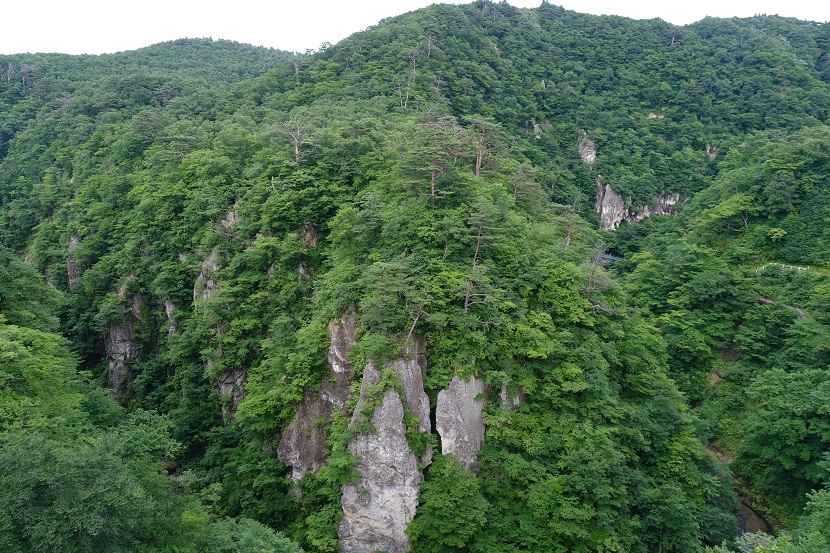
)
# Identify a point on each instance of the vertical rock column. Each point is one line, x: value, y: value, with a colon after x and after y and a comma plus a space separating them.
x: 458, y: 419
x: 587, y: 150
x: 610, y: 206
x: 303, y: 443
x: 231, y: 391
x: 122, y: 346
x: 378, y: 508
x: 230, y: 383
x: 169, y: 309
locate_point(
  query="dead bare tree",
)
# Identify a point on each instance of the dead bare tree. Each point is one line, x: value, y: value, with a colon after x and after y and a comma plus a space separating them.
x: 571, y: 217
x: 432, y: 48
x: 598, y: 280
x: 675, y: 36
x: 415, y: 315
x: 296, y: 127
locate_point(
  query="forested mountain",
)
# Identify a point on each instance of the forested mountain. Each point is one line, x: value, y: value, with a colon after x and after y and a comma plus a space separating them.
x: 359, y: 299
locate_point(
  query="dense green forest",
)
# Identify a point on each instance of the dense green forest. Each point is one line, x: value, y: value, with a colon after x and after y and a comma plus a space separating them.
x: 212, y: 252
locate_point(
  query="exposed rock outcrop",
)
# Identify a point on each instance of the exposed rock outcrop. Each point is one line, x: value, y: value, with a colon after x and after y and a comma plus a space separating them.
x: 378, y: 508
x: 664, y: 204
x: 610, y: 206
x: 410, y: 368
x: 307, y: 234
x: 206, y: 281
x: 458, y: 419
x: 613, y: 209
x: 231, y: 382
x: 121, y: 345
x: 303, y: 443
x: 231, y: 391
x: 169, y: 307
x: 510, y: 402
x: 587, y: 150
x: 230, y: 220
x: 308, y: 237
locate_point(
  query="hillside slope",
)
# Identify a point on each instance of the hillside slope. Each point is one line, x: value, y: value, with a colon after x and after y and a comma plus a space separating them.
x: 365, y: 288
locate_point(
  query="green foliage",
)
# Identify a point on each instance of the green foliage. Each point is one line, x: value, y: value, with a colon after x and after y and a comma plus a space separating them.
x: 242, y: 535
x: 452, y: 510
x: 86, y: 497
x: 25, y: 300
x: 809, y: 537
x: 39, y: 387
x: 787, y: 432
x: 762, y: 329
x: 225, y: 202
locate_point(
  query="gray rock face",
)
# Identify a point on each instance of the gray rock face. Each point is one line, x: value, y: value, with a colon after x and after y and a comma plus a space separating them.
x: 664, y: 204
x: 410, y: 369
x: 458, y: 418
x: 610, y: 206
x: 303, y: 443
x: 307, y: 234
x: 169, y: 307
x: 230, y: 383
x: 302, y: 272
x: 587, y: 150
x: 613, y: 210
x: 230, y: 220
x: 342, y: 336
x: 378, y: 508
x: 206, y: 281
x: 510, y: 402
x: 231, y: 391
x: 121, y: 347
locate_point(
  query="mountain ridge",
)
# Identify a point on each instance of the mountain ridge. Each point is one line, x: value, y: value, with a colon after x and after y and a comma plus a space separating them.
x: 430, y: 181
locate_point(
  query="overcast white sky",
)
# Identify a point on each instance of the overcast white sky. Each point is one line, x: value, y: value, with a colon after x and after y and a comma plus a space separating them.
x: 101, y: 26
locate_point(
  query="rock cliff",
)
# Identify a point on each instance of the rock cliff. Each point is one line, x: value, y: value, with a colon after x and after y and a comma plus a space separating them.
x: 121, y: 345
x: 613, y: 210
x: 169, y: 309
x: 587, y: 150
x: 378, y: 508
x: 303, y: 443
x: 231, y: 391
x: 458, y: 419
x: 508, y: 401
x: 610, y: 206
x: 206, y: 281
x: 231, y: 382
x: 411, y: 368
